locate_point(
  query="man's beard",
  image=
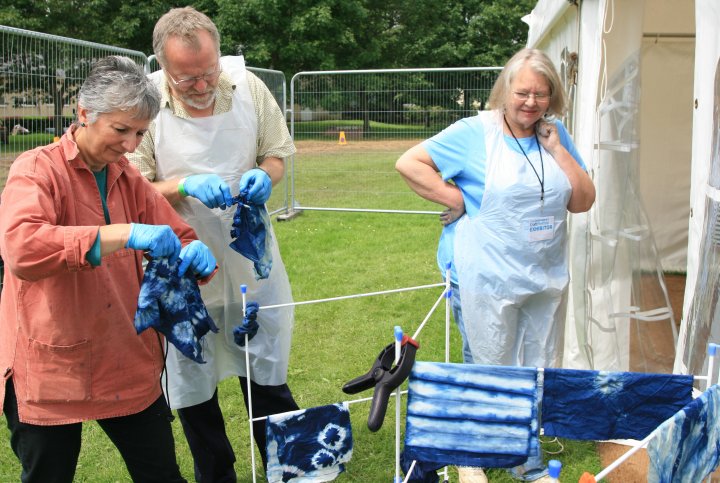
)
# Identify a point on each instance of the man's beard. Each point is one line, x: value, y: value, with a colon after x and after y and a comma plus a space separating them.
x: 192, y: 101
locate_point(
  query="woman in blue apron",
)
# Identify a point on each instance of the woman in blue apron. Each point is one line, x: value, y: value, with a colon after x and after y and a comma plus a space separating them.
x: 507, y: 177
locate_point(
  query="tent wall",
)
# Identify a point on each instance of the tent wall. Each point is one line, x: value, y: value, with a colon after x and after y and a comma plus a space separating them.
x: 636, y: 159
x: 706, y: 117
x: 666, y: 125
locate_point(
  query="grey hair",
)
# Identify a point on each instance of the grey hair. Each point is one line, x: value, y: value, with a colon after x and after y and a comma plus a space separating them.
x: 539, y: 63
x: 184, y: 23
x: 117, y: 83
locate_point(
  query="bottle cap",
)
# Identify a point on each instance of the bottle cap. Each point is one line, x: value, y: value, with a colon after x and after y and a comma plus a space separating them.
x: 554, y: 467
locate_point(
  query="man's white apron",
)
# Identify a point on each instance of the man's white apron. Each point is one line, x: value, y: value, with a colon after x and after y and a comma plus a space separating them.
x: 225, y: 145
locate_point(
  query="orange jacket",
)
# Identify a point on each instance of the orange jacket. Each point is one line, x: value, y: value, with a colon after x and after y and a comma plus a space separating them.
x: 67, y: 337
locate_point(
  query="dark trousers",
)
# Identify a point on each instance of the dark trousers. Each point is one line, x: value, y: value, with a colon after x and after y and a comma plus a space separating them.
x: 49, y: 454
x: 204, y: 429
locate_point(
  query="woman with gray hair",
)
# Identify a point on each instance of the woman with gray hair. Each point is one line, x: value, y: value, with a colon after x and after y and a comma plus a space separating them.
x: 507, y: 178
x: 76, y: 220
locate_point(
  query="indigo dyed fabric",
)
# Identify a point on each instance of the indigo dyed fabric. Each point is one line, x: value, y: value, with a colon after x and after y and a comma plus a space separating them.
x: 249, y: 326
x: 686, y: 447
x: 310, y: 445
x: 251, y: 236
x: 471, y: 415
x: 601, y: 405
x: 172, y: 305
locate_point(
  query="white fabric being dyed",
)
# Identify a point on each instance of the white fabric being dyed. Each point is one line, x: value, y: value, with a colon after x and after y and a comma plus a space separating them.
x: 471, y: 415
x: 686, y: 447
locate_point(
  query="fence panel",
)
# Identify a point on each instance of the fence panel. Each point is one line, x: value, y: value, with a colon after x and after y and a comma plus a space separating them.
x: 351, y: 126
x: 40, y: 76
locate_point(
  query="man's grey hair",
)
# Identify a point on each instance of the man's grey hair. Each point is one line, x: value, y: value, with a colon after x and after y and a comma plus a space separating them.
x: 539, y: 63
x: 183, y: 23
x: 117, y: 83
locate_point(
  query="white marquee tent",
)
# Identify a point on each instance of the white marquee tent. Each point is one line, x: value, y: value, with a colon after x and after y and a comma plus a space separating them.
x: 641, y: 74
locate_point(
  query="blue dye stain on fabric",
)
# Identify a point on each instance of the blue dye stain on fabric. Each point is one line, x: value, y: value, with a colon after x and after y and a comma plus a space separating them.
x: 251, y: 236
x: 309, y: 445
x: 172, y: 305
x: 599, y: 405
x: 686, y: 447
x: 471, y: 415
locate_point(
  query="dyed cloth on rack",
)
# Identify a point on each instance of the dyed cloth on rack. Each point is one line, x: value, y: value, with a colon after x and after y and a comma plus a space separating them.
x: 251, y: 236
x: 686, y: 447
x: 172, y: 305
x: 600, y: 405
x: 471, y: 415
x: 310, y: 445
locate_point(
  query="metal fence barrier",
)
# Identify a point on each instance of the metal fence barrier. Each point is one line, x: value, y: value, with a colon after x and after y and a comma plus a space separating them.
x: 351, y: 126
x: 40, y: 76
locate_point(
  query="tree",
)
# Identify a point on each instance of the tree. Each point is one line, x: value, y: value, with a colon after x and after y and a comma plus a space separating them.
x: 112, y: 22
x: 299, y: 35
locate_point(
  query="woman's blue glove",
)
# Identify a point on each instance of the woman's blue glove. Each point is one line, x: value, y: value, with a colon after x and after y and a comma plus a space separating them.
x: 196, y: 255
x: 210, y: 189
x: 249, y: 325
x: 256, y: 186
x: 158, y: 240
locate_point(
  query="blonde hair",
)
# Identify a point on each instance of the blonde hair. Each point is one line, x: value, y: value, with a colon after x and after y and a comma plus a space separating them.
x: 539, y: 63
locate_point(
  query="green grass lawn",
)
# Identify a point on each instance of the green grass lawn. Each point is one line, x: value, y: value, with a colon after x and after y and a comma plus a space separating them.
x: 329, y: 254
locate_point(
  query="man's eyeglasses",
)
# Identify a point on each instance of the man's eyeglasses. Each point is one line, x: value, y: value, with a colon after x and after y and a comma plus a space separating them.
x: 524, y: 96
x: 186, y: 82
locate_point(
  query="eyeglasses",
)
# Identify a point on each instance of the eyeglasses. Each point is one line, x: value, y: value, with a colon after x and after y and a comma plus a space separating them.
x: 524, y: 96
x: 186, y: 82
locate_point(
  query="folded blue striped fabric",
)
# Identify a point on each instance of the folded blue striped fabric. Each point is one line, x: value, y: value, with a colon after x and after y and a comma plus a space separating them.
x: 600, y: 405
x: 310, y: 445
x: 686, y: 447
x: 471, y: 415
x: 172, y: 305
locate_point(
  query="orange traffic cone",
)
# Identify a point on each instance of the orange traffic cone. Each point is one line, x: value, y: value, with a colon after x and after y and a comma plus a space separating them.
x: 342, y: 140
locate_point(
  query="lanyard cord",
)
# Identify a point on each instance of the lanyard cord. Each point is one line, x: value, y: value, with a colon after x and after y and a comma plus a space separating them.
x: 542, y: 166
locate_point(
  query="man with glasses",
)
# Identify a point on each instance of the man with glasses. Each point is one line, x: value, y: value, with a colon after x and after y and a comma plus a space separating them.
x: 219, y: 133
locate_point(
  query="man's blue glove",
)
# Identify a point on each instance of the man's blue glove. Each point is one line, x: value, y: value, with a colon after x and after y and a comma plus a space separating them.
x: 256, y: 186
x: 249, y: 325
x: 158, y: 240
x: 196, y: 255
x: 210, y: 189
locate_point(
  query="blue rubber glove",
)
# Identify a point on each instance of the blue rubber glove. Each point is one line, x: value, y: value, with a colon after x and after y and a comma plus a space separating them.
x: 256, y: 186
x: 196, y: 255
x: 249, y: 325
x: 210, y: 189
x: 158, y: 240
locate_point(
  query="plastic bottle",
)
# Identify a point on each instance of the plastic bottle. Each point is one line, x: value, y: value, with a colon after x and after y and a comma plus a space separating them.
x: 554, y: 467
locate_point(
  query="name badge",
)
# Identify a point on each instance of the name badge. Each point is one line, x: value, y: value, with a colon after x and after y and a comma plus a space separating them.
x: 541, y: 228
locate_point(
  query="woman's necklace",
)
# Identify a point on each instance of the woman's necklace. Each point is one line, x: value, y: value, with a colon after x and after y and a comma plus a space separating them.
x: 542, y: 166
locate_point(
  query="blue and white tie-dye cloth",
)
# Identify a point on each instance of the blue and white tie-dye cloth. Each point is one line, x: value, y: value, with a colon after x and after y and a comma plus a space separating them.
x: 172, y: 305
x: 251, y: 237
x: 686, y: 447
x: 592, y: 405
x: 471, y: 415
x: 310, y: 445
